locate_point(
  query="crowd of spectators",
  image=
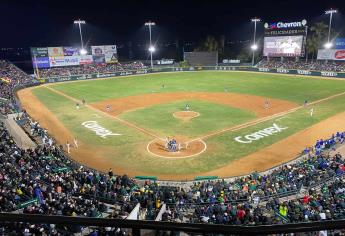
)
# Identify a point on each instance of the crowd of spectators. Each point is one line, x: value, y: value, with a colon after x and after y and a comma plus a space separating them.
x: 89, y: 69
x: 316, y: 65
x: 10, y: 77
x: 56, y: 185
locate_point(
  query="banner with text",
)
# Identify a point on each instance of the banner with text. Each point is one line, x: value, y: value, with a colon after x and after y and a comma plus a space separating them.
x: 39, y: 52
x: 71, y: 51
x: 57, y: 61
x: 331, y: 54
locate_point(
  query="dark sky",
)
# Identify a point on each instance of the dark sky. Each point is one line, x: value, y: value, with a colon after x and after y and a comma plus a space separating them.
x: 50, y: 22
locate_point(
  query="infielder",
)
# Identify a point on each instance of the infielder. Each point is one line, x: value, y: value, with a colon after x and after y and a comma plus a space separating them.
x: 267, y: 103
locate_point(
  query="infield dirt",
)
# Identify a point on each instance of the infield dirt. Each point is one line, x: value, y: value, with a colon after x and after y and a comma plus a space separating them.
x: 252, y: 103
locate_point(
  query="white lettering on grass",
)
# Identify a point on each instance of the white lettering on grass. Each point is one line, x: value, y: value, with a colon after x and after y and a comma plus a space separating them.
x: 249, y: 138
x: 99, y: 130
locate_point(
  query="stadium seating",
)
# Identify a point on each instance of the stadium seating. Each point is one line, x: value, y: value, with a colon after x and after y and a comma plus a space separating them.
x: 46, y: 181
x: 302, y: 65
x: 89, y: 69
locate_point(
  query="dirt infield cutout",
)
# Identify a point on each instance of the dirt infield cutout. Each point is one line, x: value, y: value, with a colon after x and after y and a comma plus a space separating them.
x: 186, y: 115
x: 188, y: 149
x: 252, y: 103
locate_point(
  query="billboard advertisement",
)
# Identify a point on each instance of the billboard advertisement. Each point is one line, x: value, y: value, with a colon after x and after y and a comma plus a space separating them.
x: 283, y: 46
x: 72, y: 60
x: 331, y: 54
x: 281, y: 28
x: 98, y: 55
x: 110, y: 54
x: 42, y: 62
x: 55, y: 52
x: 71, y: 51
x: 56, y: 61
x: 86, y: 59
x: 340, y: 43
x: 39, y: 52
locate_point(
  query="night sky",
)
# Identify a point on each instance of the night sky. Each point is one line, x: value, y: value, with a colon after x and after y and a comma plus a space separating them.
x: 50, y: 23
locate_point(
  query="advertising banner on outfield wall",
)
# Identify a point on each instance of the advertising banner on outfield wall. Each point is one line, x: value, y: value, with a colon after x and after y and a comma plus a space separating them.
x: 42, y: 62
x: 98, y: 55
x: 57, y: 61
x: 110, y: 53
x: 331, y: 54
x: 39, y: 52
x: 85, y: 59
x: 72, y: 60
x: 55, y: 52
x: 340, y: 43
x: 71, y: 51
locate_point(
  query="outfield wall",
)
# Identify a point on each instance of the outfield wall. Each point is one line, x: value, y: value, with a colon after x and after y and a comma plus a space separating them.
x: 196, y: 68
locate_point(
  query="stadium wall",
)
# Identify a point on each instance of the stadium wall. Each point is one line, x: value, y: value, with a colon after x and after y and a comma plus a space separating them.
x: 195, y: 68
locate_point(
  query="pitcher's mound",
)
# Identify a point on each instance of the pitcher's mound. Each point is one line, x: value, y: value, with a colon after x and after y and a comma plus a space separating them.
x: 193, y: 148
x: 186, y: 115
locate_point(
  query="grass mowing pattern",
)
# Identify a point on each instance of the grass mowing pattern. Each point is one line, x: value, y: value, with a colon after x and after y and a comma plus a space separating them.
x: 292, y: 88
x: 222, y: 149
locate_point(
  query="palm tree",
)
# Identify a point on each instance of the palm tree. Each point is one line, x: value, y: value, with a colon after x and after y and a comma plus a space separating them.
x: 209, y: 45
x: 316, y: 38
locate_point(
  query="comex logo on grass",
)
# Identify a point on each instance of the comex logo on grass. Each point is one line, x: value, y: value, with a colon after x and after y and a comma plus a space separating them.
x: 260, y: 134
x: 99, y: 130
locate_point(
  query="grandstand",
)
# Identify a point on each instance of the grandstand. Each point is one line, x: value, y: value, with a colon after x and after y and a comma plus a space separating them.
x: 91, y: 145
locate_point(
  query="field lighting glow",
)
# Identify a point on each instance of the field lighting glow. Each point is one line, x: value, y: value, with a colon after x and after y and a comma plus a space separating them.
x: 254, y: 47
x: 331, y: 11
x: 83, y: 51
x: 152, y: 49
x: 328, y: 45
x: 79, y: 22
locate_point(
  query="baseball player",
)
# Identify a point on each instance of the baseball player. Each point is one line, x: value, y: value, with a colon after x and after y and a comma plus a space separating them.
x: 75, y: 143
x: 77, y: 106
x: 267, y: 103
x: 311, y: 112
x: 108, y: 107
x: 68, y: 146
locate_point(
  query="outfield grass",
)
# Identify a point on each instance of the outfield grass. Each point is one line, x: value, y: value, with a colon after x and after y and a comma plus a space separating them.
x: 212, y: 117
x: 222, y: 149
x: 292, y: 88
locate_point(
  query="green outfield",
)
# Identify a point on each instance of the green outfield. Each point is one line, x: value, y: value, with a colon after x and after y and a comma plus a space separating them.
x: 127, y: 151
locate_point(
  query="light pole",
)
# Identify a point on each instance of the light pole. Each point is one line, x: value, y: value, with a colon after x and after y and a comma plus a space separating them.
x: 254, y: 47
x: 306, y: 51
x: 79, y: 23
x: 329, y: 12
x: 151, y: 48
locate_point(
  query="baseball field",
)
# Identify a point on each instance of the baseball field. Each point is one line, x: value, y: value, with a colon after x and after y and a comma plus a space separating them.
x: 237, y: 122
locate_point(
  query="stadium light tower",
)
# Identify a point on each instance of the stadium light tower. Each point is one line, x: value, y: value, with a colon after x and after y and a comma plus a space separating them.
x: 79, y: 23
x: 151, y: 48
x: 330, y: 12
x: 254, y: 47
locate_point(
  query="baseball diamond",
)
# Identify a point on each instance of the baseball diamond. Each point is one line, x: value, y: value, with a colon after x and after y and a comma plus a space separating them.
x: 231, y: 117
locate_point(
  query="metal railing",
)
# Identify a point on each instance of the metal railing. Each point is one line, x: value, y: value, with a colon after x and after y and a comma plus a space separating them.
x: 202, y: 229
